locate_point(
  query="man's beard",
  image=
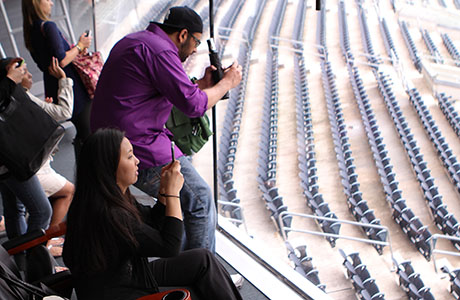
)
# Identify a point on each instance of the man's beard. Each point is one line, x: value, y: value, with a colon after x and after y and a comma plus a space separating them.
x: 182, y: 51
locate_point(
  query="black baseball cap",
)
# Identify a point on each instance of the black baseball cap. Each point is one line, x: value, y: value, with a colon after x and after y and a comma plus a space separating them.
x: 181, y: 17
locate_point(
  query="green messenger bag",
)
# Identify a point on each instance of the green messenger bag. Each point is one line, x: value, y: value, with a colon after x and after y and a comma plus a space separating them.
x: 190, y: 134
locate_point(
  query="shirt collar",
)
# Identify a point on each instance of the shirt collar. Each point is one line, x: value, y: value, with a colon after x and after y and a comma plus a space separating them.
x: 154, y: 28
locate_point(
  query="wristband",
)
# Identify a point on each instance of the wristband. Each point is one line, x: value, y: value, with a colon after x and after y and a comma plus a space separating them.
x: 80, y: 49
x: 169, y: 196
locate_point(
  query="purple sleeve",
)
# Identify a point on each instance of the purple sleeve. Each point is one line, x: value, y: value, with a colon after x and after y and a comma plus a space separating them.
x: 55, y: 40
x: 170, y: 79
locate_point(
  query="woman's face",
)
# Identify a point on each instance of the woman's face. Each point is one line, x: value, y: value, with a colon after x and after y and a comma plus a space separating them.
x: 46, y: 7
x: 127, y: 166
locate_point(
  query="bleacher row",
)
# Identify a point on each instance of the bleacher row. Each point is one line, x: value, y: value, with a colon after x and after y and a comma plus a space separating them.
x: 356, y: 204
x: 306, y: 152
x: 366, y: 36
x: 362, y: 281
x: 230, y: 203
x: 383, y: 163
x: 411, y: 225
x: 457, y: 4
x: 444, y: 220
x: 442, y: 3
x: 343, y: 27
x: 454, y: 277
x: 449, y: 112
x: 434, y: 51
x: 450, y: 46
x: 388, y: 40
x: 268, y: 146
x: 303, y: 264
x: 411, y: 282
x: 411, y: 46
x: 229, y: 20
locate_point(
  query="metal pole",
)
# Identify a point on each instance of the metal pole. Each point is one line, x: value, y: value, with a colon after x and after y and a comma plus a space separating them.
x: 8, y: 28
x: 214, y: 114
x: 68, y: 22
x: 94, y: 26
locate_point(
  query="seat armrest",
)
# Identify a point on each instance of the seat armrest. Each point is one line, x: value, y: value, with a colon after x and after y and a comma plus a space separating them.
x: 176, y: 294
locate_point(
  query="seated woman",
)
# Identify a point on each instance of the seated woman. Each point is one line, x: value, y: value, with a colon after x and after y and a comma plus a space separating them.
x: 110, y: 236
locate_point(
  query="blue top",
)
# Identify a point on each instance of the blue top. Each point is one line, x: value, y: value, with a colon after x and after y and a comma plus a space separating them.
x: 142, y: 79
x: 51, y: 43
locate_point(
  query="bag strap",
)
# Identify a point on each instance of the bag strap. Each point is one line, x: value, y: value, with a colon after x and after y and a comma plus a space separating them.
x: 15, y: 282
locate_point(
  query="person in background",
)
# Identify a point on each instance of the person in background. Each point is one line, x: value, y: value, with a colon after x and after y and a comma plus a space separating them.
x: 110, y: 235
x: 29, y: 192
x: 44, y: 41
x: 140, y: 82
x: 58, y: 189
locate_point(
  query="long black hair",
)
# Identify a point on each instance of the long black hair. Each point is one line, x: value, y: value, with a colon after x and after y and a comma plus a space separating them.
x: 101, y: 218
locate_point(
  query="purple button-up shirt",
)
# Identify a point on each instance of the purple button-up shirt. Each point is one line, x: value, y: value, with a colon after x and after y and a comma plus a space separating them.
x: 141, y: 80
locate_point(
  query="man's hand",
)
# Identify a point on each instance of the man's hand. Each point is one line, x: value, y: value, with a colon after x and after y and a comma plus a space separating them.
x: 55, y: 69
x: 233, y: 74
x: 14, y: 72
x: 206, y: 82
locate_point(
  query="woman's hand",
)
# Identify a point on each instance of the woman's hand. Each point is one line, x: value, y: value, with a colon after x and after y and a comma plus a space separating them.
x: 14, y: 72
x: 85, y: 41
x: 171, y: 181
x: 55, y: 69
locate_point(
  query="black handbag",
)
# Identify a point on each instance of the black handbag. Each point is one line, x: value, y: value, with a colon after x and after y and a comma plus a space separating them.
x: 27, y: 135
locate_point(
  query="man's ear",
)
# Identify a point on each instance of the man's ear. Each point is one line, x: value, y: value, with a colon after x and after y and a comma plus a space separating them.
x: 182, y: 36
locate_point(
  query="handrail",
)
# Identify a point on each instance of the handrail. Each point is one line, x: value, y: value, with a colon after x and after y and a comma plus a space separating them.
x: 337, y: 236
x: 242, y: 221
x: 434, y: 239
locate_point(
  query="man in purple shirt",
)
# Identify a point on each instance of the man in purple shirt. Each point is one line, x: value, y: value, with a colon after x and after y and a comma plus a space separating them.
x: 142, y: 79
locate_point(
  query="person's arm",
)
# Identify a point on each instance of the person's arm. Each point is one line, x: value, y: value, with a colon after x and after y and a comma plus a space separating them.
x: 165, y: 241
x: 170, y: 80
x: 215, y: 92
x: 53, y: 36
x: 171, y: 183
x: 62, y: 110
x: 83, y: 43
x: 14, y: 76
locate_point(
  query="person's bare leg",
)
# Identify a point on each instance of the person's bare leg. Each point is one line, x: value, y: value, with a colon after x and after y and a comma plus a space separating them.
x: 60, y: 202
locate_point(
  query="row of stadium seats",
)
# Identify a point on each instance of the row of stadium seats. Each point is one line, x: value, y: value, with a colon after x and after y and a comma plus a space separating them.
x: 449, y: 112
x: 230, y: 203
x: 357, y: 205
x: 434, y: 51
x: 454, y: 277
x: 366, y: 36
x: 411, y: 46
x: 363, y: 283
x: 445, y: 221
x: 303, y: 264
x: 269, y: 127
x: 307, y: 155
x: 411, y: 282
x: 411, y: 225
x: 388, y: 40
x: 450, y: 46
